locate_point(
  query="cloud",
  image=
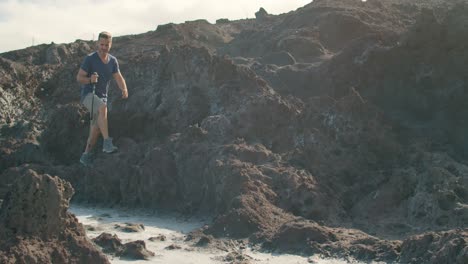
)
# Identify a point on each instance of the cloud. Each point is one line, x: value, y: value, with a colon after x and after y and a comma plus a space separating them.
x: 27, y: 22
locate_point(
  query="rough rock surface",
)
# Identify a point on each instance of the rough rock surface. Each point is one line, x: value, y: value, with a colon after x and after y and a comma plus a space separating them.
x: 109, y: 243
x: 443, y: 247
x: 35, y: 226
x: 136, y: 250
x: 133, y: 250
x: 341, y: 124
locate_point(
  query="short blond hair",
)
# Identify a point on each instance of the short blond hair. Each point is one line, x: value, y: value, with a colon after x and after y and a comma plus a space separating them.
x: 105, y: 35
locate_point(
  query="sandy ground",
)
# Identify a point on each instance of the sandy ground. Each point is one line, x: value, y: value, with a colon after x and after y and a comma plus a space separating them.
x: 174, y: 229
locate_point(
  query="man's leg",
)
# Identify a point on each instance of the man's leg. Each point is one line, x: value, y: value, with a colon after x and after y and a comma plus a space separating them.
x: 102, y: 121
x: 87, y: 158
x: 107, y: 146
x: 92, y: 138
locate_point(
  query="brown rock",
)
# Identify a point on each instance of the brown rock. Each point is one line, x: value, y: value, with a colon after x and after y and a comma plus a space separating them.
x: 173, y: 247
x: 158, y: 238
x: 130, y: 227
x: 109, y: 243
x: 136, y: 250
x: 35, y: 226
x: 436, y: 247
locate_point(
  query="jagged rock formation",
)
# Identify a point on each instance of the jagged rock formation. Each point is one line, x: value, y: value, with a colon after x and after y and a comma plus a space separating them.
x: 132, y: 250
x: 35, y: 226
x: 444, y: 247
x: 340, y: 125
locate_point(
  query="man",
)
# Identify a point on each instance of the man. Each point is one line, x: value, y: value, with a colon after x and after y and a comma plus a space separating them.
x: 97, y: 70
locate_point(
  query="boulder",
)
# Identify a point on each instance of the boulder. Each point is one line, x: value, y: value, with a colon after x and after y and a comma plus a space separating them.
x: 109, y: 243
x: 35, y: 226
x: 136, y: 250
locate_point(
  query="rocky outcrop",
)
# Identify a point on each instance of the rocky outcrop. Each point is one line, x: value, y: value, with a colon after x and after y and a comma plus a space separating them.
x: 35, y: 226
x: 443, y: 247
x: 109, y: 243
x: 133, y: 250
x: 312, y: 238
x: 262, y: 14
x: 136, y: 250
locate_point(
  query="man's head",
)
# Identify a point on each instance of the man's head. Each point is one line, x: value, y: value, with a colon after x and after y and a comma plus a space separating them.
x: 104, y: 42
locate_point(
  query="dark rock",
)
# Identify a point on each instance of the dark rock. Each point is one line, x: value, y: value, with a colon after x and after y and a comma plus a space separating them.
x: 299, y: 236
x: 222, y: 20
x: 35, y: 226
x: 136, y: 250
x: 109, y: 243
x: 52, y: 55
x: 173, y: 247
x: 440, y: 247
x: 158, y: 238
x: 203, y: 241
x: 261, y: 14
x: 278, y: 58
x: 238, y: 258
x: 59, y: 137
x: 130, y: 227
x: 200, y: 238
x: 303, y: 48
x: 219, y: 127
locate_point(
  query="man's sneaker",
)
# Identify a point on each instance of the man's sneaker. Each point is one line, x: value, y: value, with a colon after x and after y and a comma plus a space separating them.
x: 108, y: 147
x: 86, y: 159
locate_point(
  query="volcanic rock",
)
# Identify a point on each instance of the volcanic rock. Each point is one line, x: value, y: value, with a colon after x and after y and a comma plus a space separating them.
x: 443, y: 247
x: 158, y: 238
x: 340, y: 125
x: 136, y: 250
x: 261, y: 14
x: 109, y: 243
x: 35, y: 226
x: 130, y: 227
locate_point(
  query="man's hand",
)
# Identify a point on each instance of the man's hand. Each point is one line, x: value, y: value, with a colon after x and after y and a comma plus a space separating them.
x: 94, y: 78
x: 121, y: 83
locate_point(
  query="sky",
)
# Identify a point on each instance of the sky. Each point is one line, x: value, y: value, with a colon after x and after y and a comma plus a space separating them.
x: 24, y: 23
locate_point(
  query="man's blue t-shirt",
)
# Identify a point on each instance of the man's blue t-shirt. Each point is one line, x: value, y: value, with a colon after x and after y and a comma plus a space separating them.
x: 92, y: 63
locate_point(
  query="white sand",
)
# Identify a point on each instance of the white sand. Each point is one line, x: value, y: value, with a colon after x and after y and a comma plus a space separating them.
x: 174, y: 229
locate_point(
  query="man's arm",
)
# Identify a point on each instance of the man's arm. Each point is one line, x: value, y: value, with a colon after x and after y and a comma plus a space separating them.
x: 121, y: 83
x: 82, y: 77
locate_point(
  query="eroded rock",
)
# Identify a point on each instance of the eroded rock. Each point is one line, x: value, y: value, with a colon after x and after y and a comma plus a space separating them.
x: 440, y: 247
x: 136, y: 250
x: 35, y: 226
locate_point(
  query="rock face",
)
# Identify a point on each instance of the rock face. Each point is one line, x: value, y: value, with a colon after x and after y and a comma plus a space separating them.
x: 444, y: 247
x: 340, y: 125
x: 35, y: 226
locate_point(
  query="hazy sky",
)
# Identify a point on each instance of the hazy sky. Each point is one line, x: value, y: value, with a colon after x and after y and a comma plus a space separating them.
x: 27, y: 22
